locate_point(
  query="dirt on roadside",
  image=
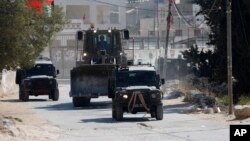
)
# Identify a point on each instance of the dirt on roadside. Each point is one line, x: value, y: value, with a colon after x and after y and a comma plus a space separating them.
x: 19, y: 123
x: 178, y: 105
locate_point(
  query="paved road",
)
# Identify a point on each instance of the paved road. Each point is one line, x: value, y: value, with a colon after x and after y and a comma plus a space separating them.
x: 94, y: 123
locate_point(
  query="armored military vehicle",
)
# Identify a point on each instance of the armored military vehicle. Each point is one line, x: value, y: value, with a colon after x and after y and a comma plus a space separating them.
x: 137, y: 89
x: 96, y: 61
x: 38, y: 80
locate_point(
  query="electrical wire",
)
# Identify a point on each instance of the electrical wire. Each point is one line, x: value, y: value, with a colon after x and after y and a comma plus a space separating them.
x: 184, y: 18
x: 132, y: 7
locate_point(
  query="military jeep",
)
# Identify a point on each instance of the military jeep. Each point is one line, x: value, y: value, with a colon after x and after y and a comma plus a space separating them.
x: 38, y: 80
x: 136, y: 89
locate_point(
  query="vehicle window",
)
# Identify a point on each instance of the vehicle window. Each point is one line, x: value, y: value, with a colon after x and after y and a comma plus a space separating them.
x: 136, y: 78
x: 102, y: 42
x: 42, y: 69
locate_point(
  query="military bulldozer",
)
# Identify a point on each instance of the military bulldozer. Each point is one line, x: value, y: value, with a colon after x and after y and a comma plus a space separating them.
x: 96, y: 60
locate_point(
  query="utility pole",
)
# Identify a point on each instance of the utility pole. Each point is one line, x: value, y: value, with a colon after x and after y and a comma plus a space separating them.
x: 229, y: 57
x: 157, y: 23
x: 167, y: 39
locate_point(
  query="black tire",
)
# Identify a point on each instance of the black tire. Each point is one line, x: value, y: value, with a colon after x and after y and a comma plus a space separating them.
x: 80, y: 101
x: 20, y: 95
x: 159, y: 112
x: 118, y: 113
x: 152, y: 113
x: 55, y: 95
x: 51, y: 95
x: 113, y: 110
x: 24, y: 95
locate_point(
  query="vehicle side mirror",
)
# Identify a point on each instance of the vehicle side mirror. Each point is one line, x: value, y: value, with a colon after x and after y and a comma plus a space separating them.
x: 162, y: 81
x: 126, y: 34
x: 79, y: 35
x: 57, y: 72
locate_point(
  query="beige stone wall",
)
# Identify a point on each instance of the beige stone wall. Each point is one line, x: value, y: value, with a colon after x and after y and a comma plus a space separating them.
x: 8, y: 85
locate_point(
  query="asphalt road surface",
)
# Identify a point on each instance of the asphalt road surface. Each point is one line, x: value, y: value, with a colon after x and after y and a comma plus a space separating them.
x: 95, y: 123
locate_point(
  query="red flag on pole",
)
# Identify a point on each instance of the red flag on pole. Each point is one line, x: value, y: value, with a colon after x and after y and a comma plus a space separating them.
x: 84, y: 17
x: 171, y: 1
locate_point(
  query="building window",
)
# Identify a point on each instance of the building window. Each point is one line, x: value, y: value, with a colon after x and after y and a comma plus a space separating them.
x: 78, y: 12
x: 102, y: 14
x: 114, y: 15
x: 178, y: 32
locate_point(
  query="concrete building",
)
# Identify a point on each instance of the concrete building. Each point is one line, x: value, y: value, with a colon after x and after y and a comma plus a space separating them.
x: 186, y: 29
x: 102, y: 13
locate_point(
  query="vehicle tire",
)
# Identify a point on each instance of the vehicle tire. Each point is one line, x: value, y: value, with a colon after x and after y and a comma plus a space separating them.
x: 85, y: 101
x: 51, y: 95
x: 76, y: 101
x: 24, y: 95
x: 55, y: 95
x: 159, y: 112
x: 152, y: 113
x: 113, y: 110
x: 118, y: 113
x: 21, y: 95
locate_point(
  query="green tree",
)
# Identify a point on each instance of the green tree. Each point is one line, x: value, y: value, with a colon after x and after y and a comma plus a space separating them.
x: 24, y: 33
x: 216, y: 19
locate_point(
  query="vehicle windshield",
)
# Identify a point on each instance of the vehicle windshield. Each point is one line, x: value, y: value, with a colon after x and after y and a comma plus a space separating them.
x: 103, y: 42
x: 136, y: 78
x: 42, y: 69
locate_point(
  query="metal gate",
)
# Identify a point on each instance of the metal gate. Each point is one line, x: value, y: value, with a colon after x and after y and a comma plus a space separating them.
x: 63, y: 54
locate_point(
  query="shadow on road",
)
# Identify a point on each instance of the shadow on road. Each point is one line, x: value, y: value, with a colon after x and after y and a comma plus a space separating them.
x: 110, y: 120
x: 69, y: 106
x: 178, y: 108
x: 17, y: 100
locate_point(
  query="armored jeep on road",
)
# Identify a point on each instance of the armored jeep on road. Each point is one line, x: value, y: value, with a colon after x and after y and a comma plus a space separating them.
x: 137, y: 89
x: 38, y: 80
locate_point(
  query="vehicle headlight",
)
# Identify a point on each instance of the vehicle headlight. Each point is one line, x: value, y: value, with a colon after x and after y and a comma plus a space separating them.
x: 156, y: 95
x: 153, y: 95
x: 125, y: 96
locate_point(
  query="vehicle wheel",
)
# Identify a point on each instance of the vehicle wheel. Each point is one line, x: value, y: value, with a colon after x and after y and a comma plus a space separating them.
x: 55, y: 95
x: 152, y: 113
x: 51, y: 95
x: 76, y: 101
x: 159, y: 112
x: 85, y: 101
x: 24, y: 96
x: 113, y: 110
x: 118, y: 113
x: 20, y: 95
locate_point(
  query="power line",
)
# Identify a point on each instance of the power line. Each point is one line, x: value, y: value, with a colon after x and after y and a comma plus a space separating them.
x: 133, y: 7
x: 180, y: 14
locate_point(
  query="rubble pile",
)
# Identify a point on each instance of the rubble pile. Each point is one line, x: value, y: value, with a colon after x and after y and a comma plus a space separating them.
x: 242, y: 111
x: 7, y: 126
x: 204, y: 103
x: 175, y: 94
